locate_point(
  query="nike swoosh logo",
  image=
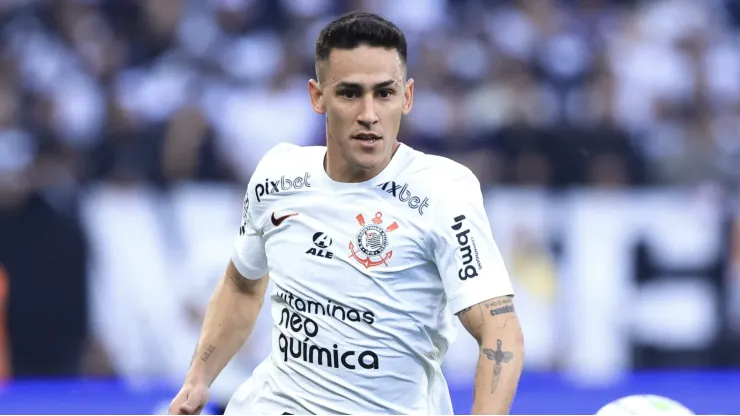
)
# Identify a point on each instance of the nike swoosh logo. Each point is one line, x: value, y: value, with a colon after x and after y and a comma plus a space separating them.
x: 279, y: 220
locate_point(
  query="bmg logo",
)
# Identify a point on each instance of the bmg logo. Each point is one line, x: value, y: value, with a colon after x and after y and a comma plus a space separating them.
x: 466, y: 246
x: 284, y: 184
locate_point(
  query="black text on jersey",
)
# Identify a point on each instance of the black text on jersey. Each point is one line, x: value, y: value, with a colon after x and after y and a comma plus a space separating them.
x: 467, y: 250
x: 284, y: 184
x: 245, y: 216
x: 322, y: 243
x: 402, y: 192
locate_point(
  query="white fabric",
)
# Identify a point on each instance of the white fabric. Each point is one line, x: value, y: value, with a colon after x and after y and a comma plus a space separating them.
x: 366, y: 278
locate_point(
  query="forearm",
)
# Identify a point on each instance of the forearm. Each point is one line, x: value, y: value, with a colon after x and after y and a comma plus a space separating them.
x: 500, y: 363
x: 229, y: 320
x: 495, y: 326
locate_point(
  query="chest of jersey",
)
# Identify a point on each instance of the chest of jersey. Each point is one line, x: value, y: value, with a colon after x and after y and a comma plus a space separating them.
x: 351, y: 241
x: 368, y: 234
x: 360, y: 251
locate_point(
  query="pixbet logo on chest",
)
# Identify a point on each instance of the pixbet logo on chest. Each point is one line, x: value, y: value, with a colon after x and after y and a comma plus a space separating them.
x: 403, y: 194
x: 284, y: 184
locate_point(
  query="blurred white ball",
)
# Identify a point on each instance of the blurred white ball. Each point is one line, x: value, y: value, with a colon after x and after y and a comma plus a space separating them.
x: 643, y: 404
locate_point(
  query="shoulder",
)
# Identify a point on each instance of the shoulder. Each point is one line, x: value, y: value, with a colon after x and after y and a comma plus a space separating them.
x: 441, y: 178
x: 285, y: 169
x: 284, y: 157
x: 450, y: 191
x: 447, y: 172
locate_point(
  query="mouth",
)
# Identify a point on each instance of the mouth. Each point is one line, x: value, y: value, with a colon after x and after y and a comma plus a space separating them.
x: 368, y: 138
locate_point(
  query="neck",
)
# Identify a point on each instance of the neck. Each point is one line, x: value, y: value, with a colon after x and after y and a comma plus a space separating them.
x: 340, y: 170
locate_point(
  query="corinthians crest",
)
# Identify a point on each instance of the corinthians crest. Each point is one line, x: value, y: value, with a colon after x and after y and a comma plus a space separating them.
x: 369, y: 245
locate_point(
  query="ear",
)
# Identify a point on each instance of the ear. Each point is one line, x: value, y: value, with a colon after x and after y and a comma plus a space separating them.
x: 316, y: 96
x: 408, y: 95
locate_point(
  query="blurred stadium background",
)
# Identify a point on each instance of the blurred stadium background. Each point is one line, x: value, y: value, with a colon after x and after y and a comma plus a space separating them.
x: 606, y: 135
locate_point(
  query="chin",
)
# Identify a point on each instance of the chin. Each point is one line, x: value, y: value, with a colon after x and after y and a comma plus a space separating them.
x: 366, y: 158
x: 367, y: 161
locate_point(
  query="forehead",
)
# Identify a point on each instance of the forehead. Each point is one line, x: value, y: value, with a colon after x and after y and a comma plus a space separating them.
x: 364, y: 64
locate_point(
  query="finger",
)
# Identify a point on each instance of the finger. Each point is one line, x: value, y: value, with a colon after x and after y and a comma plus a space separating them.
x: 174, y: 410
x: 187, y: 409
x: 192, y: 404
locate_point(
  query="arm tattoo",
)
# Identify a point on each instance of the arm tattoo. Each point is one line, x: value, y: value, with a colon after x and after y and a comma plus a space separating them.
x: 207, y: 354
x: 499, y: 356
x: 500, y: 307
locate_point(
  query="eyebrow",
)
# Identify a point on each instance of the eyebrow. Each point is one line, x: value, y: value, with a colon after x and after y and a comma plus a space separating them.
x: 356, y: 86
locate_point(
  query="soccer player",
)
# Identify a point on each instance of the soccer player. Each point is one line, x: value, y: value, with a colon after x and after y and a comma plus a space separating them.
x: 372, y: 247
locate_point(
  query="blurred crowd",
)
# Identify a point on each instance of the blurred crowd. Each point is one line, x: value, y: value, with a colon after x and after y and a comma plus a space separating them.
x: 549, y: 93
x: 535, y: 92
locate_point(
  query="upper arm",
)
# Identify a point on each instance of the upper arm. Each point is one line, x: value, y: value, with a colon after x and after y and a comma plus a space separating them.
x: 483, y: 319
x: 252, y: 287
x: 463, y: 248
x: 249, y: 257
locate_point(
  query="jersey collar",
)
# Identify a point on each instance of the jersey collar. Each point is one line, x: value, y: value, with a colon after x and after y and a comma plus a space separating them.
x: 398, y: 161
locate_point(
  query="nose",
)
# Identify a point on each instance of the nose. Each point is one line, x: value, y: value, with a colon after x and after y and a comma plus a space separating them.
x: 368, y: 116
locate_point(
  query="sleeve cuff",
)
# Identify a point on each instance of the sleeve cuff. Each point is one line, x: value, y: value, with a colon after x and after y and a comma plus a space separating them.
x: 476, y: 294
x: 246, y: 270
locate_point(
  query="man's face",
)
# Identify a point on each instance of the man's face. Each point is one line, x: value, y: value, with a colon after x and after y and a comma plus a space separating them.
x: 364, y: 93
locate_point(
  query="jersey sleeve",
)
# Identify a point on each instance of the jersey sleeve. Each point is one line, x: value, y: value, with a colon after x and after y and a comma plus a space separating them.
x: 463, y: 247
x: 249, y: 256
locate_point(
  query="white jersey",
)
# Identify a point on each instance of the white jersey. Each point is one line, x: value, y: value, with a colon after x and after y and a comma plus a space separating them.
x: 367, y: 278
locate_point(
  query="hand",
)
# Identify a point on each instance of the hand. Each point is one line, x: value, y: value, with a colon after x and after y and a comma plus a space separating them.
x: 190, y: 400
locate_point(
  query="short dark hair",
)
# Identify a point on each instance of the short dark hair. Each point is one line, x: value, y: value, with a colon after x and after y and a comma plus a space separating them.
x: 357, y: 29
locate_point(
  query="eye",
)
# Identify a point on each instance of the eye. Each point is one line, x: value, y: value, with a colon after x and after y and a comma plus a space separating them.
x: 347, y: 94
x: 385, y: 93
